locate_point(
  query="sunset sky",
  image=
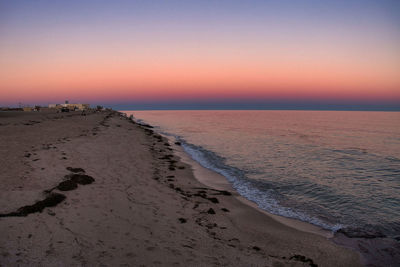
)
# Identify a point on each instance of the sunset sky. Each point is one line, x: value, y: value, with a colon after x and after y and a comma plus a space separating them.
x: 211, y: 53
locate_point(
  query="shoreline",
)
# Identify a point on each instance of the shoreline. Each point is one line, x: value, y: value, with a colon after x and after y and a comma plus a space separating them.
x: 217, y: 181
x: 371, y: 252
x: 375, y: 251
x: 144, y: 207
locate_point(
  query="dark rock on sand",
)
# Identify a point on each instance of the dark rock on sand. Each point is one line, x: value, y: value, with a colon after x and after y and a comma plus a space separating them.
x: 182, y: 220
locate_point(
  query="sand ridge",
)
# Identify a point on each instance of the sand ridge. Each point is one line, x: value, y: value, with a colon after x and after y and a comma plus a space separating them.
x: 144, y: 207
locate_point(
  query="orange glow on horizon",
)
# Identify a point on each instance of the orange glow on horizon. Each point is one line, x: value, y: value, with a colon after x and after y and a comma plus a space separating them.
x: 121, y: 60
x: 198, y: 79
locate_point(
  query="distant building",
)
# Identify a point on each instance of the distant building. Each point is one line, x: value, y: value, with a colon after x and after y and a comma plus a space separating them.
x: 55, y: 106
x: 70, y: 106
x: 27, y: 109
x: 40, y: 108
x: 78, y: 106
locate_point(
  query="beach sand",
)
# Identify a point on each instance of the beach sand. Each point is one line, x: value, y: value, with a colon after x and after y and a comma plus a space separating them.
x: 144, y: 207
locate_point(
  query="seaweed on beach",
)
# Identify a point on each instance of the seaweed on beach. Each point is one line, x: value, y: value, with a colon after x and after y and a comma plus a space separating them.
x: 52, y: 200
x: 216, y: 191
x: 304, y: 259
x: 67, y: 185
x: 81, y: 178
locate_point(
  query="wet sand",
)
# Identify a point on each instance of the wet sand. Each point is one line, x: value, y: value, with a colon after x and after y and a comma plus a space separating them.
x: 141, y: 205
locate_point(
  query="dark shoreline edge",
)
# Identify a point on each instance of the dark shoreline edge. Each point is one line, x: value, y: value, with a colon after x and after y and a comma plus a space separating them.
x: 374, y: 247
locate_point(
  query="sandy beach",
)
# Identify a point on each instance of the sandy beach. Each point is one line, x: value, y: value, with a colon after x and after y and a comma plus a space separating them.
x: 102, y: 190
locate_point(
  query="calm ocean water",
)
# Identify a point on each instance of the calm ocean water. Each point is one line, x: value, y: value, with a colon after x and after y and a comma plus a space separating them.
x: 335, y: 169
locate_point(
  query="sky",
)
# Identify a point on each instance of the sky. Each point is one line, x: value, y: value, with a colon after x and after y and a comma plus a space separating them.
x: 201, y: 54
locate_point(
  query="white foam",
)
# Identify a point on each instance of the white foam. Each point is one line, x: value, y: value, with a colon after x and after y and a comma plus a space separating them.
x: 242, y: 185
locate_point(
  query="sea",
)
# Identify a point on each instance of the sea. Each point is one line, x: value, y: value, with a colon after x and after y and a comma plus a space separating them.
x: 339, y: 170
